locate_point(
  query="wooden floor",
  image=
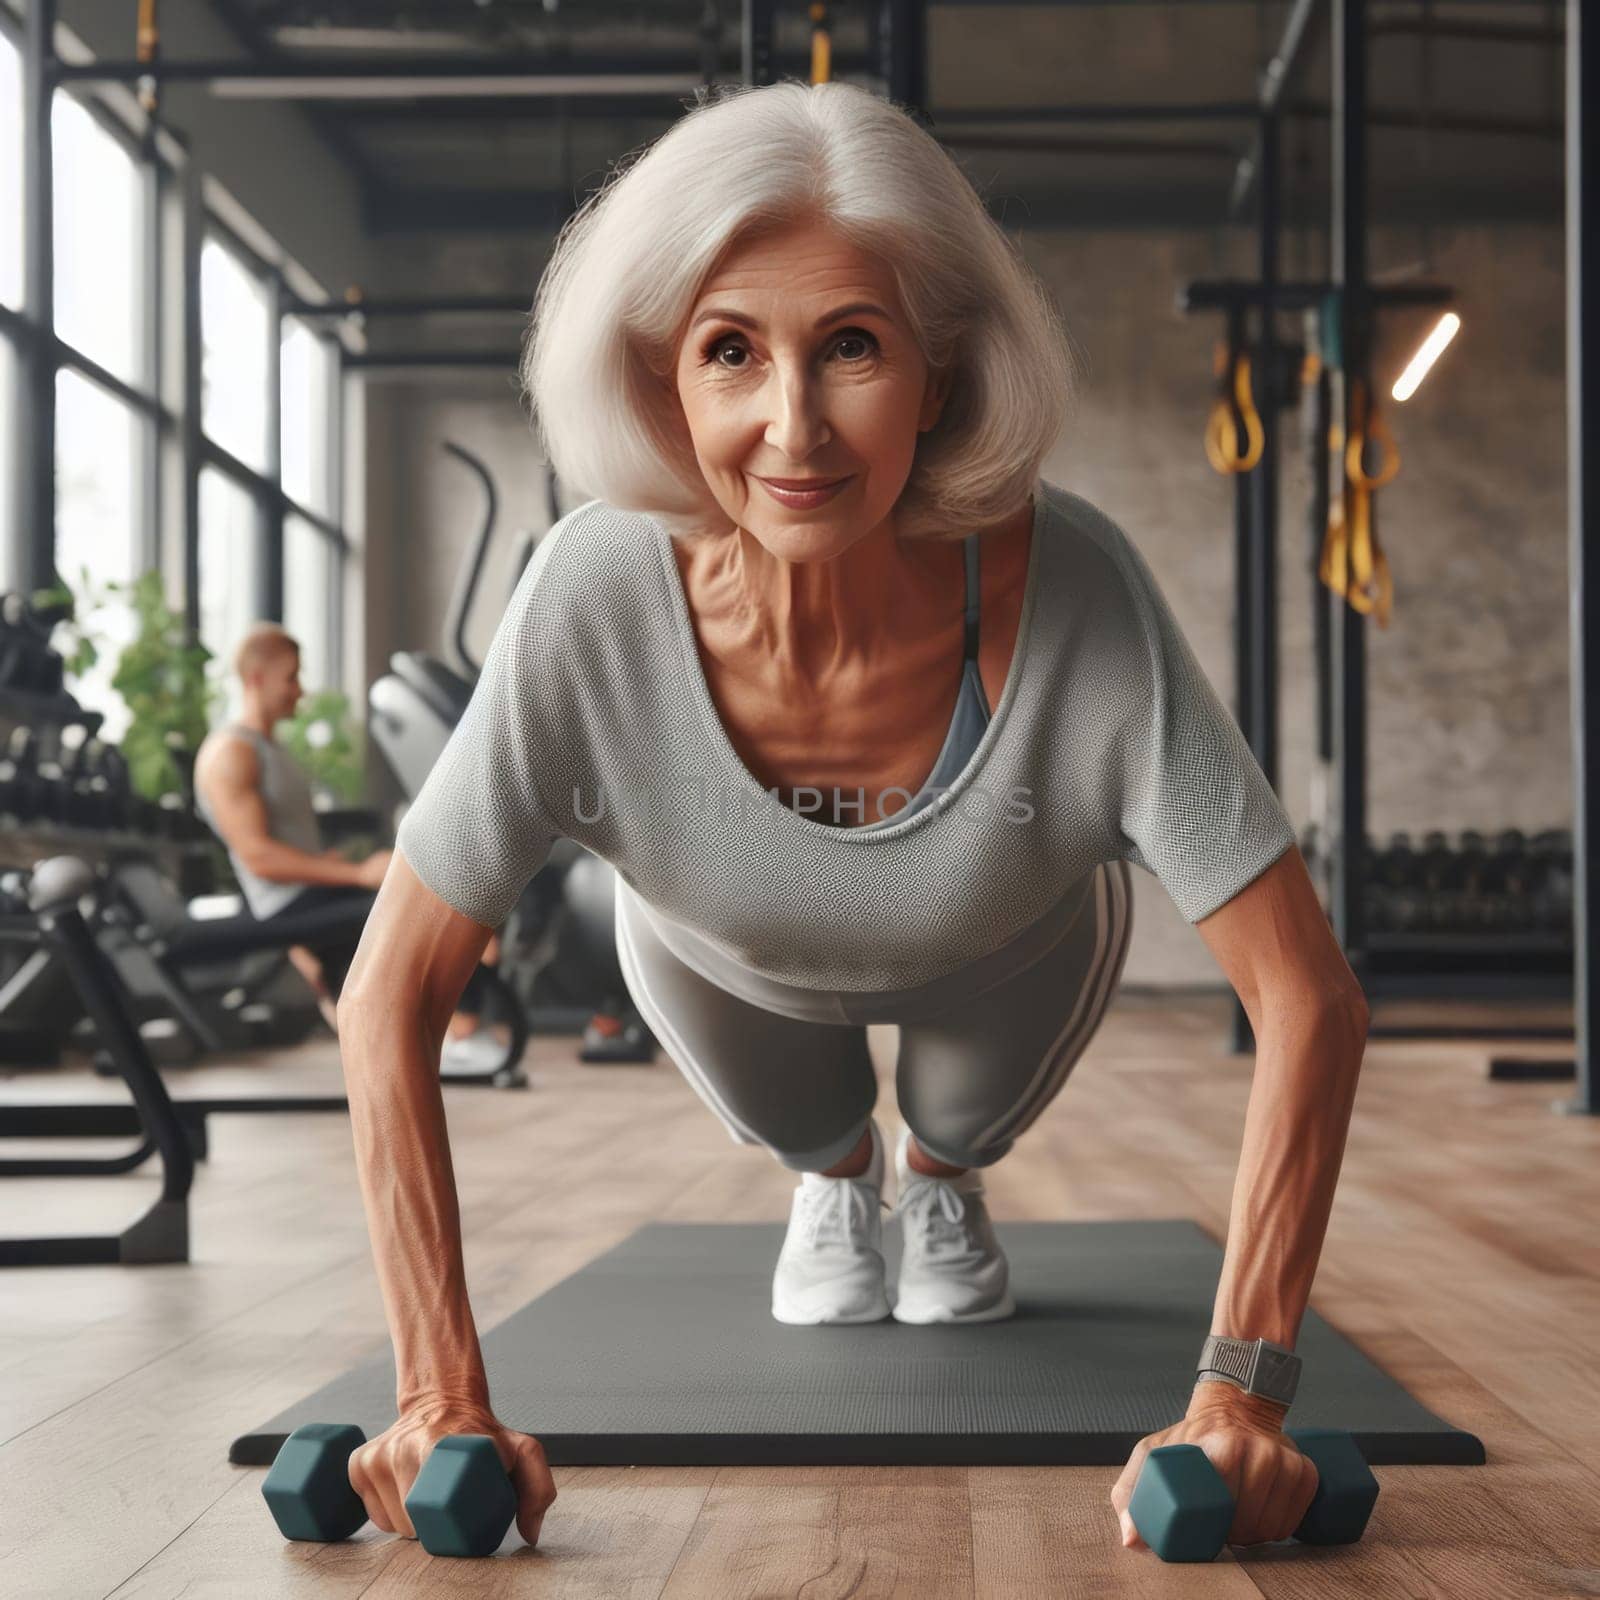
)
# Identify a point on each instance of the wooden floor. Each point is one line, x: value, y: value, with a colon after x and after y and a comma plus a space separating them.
x: 1463, y: 1256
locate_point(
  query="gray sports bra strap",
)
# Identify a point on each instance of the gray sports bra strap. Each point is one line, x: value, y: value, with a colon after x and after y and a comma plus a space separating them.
x: 974, y: 594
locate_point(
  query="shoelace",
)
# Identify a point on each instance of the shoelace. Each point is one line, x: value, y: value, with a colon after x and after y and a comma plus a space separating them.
x: 844, y: 1204
x: 918, y: 1202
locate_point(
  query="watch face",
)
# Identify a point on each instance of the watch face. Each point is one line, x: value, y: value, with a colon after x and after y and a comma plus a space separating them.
x: 1277, y: 1373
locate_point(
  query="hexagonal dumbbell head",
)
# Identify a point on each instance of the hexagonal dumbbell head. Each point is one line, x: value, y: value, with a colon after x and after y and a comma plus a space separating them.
x: 1180, y: 1505
x: 308, y: 1488
x: 1347, y: 1490
x: 462, y: 1502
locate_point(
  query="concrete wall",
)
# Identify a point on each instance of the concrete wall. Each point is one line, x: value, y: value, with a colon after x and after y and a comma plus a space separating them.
x: 1469, y: 683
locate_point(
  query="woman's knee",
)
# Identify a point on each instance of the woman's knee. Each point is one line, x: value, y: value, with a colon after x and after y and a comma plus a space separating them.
x: 829, y: 1154
x: 960, y: 1152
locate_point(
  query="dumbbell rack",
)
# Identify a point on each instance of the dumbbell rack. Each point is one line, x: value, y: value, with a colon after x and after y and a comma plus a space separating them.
x: 1530, y: 964
x: 27, y: 837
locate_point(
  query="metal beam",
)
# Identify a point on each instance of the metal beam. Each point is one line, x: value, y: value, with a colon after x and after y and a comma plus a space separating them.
x: 270, y: 552
x: 1583, y: 526
x: 1009, y: 127
x: 472, y: 77
x: 1487, y: 32
x: 1189, y: 203
x: 329, y: 124
x: 35, y: 475
x: 472, y: 68
x: 1273, y: 86
x: 1348, y: 256
x: 1070, y: 144
x: 755, y: 41
x: 903, y: 54
x: 1262, y: 590
x: 1136, y: 111
x: 1546, y: 128
x: 1218, y: 294
x: 370, y: 361
x: 413, y: 306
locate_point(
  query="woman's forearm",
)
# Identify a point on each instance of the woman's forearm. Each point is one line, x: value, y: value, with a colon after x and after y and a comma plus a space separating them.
x: 391, y: 1066
x: 1294, y: 1136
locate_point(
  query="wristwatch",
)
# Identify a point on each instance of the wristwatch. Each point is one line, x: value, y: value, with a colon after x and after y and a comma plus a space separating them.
x: 1254, y: 1365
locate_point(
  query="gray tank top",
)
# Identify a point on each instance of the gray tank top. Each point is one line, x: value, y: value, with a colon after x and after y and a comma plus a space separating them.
x: 291, y: 819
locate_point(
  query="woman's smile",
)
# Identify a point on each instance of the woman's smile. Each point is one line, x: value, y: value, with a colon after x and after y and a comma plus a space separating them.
x: 801, y: 499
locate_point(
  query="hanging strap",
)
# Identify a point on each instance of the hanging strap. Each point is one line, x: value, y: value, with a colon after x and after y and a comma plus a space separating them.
x: 1353, y: 563
x: 1234, y: 436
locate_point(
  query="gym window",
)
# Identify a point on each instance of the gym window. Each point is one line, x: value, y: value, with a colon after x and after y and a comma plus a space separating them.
x: 310, y: 586
x: 270, y: 492
x: 230, y: 567
x: 312, y: 549
x: 309, y: 372
x: 102, y: 448
x: 267, y: 500
x: 235, y: 341
x: 11, y: 248
x: 103, y: 200
x: 103, y: 212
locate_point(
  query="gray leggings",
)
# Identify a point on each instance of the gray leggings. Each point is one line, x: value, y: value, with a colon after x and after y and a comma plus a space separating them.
x: 970, y: 1077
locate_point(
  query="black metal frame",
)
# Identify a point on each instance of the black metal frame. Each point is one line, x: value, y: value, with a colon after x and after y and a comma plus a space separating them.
x: 273, y: 506
x: 162, y: 1233
x: 71, y: 1120
x: 1583, y: 526
x: 895, y: 50
x: 42, y: 353
x: 1387, y: 964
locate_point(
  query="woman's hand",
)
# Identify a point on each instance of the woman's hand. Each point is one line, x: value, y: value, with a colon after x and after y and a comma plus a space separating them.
x: 1272, y: 1484
x: 383, y: 1470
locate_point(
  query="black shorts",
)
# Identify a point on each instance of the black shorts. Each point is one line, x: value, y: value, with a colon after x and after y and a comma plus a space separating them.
x: 328, y: 920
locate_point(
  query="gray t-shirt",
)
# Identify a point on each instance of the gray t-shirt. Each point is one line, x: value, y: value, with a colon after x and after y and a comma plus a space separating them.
x: 593, y: 720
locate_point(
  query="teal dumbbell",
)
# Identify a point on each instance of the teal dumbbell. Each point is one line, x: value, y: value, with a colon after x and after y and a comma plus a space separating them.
x: 461, y: 1504
x: 1182, y: 1508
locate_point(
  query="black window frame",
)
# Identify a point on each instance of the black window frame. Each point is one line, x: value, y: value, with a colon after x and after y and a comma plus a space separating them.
x: 274, y: 505
x: 167, y: 400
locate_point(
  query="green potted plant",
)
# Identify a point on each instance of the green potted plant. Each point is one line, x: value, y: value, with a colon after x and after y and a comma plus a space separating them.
x: 327, y: 742
x: 160, y: 674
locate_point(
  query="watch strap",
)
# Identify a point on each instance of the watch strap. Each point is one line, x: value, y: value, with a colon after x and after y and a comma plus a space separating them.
x: 1255, y: 1365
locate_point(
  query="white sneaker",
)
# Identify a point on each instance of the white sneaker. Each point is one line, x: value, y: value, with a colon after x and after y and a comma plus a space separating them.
x: 472, y: 1055
x: 831, y: 1266
x: 952, y: 1268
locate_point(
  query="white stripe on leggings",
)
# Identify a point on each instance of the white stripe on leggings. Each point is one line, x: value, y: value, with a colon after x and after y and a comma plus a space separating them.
x: 1112, y: 929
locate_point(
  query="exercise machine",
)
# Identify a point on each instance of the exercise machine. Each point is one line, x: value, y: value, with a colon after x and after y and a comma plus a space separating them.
x: 224, y: 942
x: 48, y: 915
x: 558, y: 949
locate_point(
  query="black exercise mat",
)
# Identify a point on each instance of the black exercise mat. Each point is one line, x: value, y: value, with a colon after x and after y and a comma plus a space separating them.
x: 664, y: 1352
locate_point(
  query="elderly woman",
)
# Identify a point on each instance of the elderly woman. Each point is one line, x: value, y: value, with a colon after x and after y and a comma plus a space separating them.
x: 869, y: 719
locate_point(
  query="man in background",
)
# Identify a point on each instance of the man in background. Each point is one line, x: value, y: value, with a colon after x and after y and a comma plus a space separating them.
x: 254, y: 796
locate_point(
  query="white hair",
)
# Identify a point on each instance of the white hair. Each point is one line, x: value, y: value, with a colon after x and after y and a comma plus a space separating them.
x: 629, y: 264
